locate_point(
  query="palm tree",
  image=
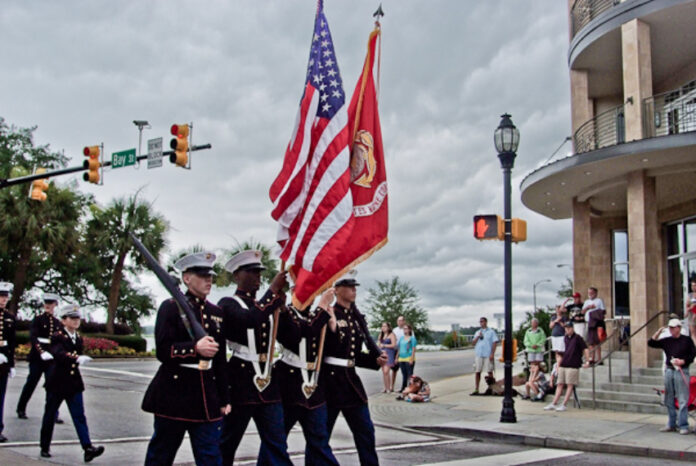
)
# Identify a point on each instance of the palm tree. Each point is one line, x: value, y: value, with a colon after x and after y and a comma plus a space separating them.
x: 108, y: 232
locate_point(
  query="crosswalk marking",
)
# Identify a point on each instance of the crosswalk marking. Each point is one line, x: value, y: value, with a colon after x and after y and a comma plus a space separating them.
x: 509, y: 459
x: 115, y: 371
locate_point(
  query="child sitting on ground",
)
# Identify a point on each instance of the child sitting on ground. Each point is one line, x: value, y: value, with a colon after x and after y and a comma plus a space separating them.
x: 418, y: 391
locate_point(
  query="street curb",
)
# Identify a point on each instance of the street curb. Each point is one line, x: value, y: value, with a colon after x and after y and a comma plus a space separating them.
x: 561, y: 443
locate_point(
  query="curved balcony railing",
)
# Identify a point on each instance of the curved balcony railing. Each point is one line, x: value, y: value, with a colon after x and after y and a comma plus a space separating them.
x: 606, y: 129
x: 672, y: 112
x: 584, y: 11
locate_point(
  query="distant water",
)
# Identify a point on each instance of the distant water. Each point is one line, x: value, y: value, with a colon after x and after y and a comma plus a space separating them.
x: 150, y: 339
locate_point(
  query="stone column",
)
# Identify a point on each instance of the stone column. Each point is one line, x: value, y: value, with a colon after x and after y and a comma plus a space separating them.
x: 643, y: 262
x: 637, y: 74
x: 582, y: 242
x: 580, y: 102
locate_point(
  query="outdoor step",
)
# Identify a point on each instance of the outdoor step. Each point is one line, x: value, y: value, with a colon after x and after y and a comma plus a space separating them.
x: 586, y: 379
x: 632, y: 407
x: 632, y: 397
x: 626, y: 387
x: 649, y: 371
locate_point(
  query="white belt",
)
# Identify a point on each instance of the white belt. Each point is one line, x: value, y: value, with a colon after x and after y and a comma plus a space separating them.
x: 291, y: 359
x: 45, y: 341
x: 242, y: 352
x: 339, y: 362
x: 202, y: 365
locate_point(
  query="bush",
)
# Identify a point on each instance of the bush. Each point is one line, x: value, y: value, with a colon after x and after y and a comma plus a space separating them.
x: 96, y: 327
x: 453, y: 340
x: 128, y: 341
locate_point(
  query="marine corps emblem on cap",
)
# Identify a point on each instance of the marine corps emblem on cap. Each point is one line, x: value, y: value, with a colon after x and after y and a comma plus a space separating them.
x: 348, y: 279
x: 199, y: 262
x: 5, y: 288
x: 245, y: 260
x: 70, y: 310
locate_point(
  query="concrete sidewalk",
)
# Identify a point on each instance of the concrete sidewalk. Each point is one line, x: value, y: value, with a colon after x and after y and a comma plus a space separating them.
x: 453, y: 411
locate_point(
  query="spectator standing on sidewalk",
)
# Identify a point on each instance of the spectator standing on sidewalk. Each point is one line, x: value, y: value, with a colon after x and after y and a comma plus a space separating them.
x: 557, y: 326
x: 679, y: 352
x: 387, y: 342
x: 569, y: 369
x: 594, y: 315
x: 407, y: 354
x: 398, y: 333
x: 577, y: 315
x: 486, y: 341
x: 534, y: 343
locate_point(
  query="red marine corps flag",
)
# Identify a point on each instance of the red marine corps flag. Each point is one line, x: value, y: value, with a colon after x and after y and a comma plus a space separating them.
x: 330, y: 203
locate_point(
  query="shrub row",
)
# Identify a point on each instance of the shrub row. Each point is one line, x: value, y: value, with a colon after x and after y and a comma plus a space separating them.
x: 85, y: 327
x: 138, y: 344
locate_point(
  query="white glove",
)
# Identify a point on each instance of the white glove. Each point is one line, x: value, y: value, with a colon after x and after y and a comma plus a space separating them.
x: 3, y: 359
x: 13, y: 372
x: 46, y: 356
x: 82, y: 359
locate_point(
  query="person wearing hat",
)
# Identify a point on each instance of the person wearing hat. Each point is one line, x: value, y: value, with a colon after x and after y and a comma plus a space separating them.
x: 7, y: 348
x: 569, y: 368
x: 189, y: 390
x: 679, y: 354
x: 343, y: 352
x: 64, y: 383
x: 40, y: 359
x: 249, y: 325
x: 296, y: 372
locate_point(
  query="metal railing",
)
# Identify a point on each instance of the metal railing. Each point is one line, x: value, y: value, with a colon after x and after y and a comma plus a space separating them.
x: 619, y: 345
x: 671, y: 112
x: 584, y: 11
x: 606, y: 129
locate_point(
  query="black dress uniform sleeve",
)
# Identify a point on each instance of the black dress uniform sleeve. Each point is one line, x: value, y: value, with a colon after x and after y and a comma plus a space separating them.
x: 7, y: 334
x: 267, y: 305
x: 12, y: 339
x: 170, y: 349
x: 34, y: 334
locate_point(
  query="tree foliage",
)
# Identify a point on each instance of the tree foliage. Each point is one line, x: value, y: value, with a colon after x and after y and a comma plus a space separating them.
x: 393, y: 298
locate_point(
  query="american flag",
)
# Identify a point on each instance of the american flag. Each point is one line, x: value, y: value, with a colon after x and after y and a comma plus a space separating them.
x: 312, y: 201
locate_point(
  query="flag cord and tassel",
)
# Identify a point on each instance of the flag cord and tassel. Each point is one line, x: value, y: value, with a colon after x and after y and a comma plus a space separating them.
x: 376, y: 32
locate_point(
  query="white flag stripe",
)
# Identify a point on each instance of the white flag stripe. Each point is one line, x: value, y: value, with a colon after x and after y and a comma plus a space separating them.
x: 337, y: 169
x: 331, y: 224
x: 287, y: 217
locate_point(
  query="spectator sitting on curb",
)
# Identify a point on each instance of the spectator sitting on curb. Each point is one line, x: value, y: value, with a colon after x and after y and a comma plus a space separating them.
x: 534, y: 341
x: 418, y: 391
x: 680, y: 352
x: 486, y: 341
x: 537, y: 379
x: 569, y: 370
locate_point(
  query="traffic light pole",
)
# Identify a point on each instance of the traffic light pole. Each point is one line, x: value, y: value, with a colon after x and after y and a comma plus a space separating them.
x: 507, y: 161
x: 4, y: 183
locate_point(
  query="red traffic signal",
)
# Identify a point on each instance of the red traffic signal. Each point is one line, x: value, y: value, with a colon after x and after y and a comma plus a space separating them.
x: 488, y: 227
x: 180, y: 145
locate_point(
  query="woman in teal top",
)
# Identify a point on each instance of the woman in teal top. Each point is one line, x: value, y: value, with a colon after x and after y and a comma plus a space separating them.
x: 407, y: 354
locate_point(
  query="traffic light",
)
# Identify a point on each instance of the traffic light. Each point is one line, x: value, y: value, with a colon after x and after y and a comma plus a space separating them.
x: 92, y: 164
x: 489, y: 227
x: 180, y: 145
x: 519, y: 230
x: 38, y: 187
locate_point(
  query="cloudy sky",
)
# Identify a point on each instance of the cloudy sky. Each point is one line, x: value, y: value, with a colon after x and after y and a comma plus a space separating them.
x: 82, y: 71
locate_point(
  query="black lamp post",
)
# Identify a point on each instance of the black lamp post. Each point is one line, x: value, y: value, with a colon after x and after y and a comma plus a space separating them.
x: 507, y: 138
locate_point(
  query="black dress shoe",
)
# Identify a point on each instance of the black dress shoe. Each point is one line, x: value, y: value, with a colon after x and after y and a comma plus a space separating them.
x: 3, y: 438
x: 22, y: 415
x: 45, y: 454
x: 59, y: 421
x: 92, y: 452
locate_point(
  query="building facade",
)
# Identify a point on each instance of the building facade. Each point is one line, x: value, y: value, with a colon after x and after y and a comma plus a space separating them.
x: 630, y: 184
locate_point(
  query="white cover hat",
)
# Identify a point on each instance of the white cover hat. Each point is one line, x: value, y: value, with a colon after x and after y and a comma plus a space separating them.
x: 6, y: 287
x: 245, y: 260
x: 200, y: 261
x: 674, y: 323
x: 70, y: 310
x: 50, y: 297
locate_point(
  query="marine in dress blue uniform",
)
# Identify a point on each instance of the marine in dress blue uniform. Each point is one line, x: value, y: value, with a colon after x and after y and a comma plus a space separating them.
x: 343, y: 388
x: 7, y: 348
x: 40, y: 358
x: 300, y: 334
x: 189, y: 391
x: 249, y: 331
x: 64, y: 383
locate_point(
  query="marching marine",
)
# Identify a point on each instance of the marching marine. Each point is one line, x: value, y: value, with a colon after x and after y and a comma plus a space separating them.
x: 250, y: 328
x: 342, y: 385
x: 189, y: 391
x: 7, y: 348
x: 40, y: 358
x: 64, y: 383
x: 302, y: 335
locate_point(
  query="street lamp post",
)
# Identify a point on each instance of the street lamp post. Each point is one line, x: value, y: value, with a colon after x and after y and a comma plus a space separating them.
x: 534, y: 290
x: 507, y: 138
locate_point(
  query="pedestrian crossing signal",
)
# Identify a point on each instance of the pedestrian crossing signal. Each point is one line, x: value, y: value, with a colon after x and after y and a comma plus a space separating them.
x: 488, y: 227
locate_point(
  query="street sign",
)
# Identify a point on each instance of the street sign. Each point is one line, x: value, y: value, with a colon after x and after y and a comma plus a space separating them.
x: 154, y: 153
x: 123, y: 158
